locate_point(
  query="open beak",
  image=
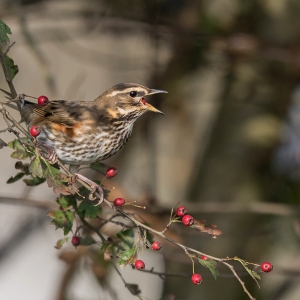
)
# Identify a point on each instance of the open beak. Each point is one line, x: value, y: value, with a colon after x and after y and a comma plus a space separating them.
x: 152, y: 108
x: 149, y: 107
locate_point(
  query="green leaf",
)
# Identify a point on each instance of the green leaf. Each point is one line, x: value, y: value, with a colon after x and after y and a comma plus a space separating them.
x: 16, y: 177
x: 56, y: 179
x: 61, y: 242
x: 34, y: 181
x: 12, y: 68
x: 4, y: 31
x: 211, y: 265
x: 99, y: 167
x: 87, y: 241
x: 128, y: 257
x: 126, y: 238
x: 253, y: 274
x: 62, y: 219
x: 66, y: 202
x: 122, y: 241
x: 21, y: 152
x: 35, y: 167
x: 88, y: 209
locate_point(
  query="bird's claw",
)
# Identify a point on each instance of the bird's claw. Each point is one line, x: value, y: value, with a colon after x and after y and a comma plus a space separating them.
x: 95, y: 188
x: 48, y: 153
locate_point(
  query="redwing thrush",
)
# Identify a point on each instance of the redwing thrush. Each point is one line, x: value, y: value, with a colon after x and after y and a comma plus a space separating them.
x: 83, y: 132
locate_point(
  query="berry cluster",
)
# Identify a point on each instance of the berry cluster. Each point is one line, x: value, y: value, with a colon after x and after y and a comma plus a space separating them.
x: 187, y: 220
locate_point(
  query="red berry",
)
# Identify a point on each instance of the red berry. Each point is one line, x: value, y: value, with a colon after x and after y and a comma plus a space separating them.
x: 196, y: 278
x: 181, y: 211
x: 111, y: 172
x: 43, y: 100
x: 187, y: 220
x: 156, y: 246
x: 266, y: 267
x: 119, y: 202
x: 204, y: 257
x: 139, y: 265
x: 75, y: 241
x: 35, y: 131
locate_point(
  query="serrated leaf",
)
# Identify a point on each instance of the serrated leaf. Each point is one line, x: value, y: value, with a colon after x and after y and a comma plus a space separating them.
x: 16, y: 177
x: 4, y: 31
x: 99, y: 167
x: 34, y: 181
x: 35, y: 167
x: 56, y: 179
x: 21, y: 152
x: 12, y: 68
x: 88, y: 209
x: 62, y: 219
x: 66, y: 202
x: 211, y: 265
x: 61, y: 242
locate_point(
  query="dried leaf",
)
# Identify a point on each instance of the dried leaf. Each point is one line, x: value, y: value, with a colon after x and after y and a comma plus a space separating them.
x: 62, y: 219
x: 211, y: 265
x: 134, y: 289
x: 4, y: 31
x: 2, y: 144
x: 56, y: 179
x: 61, y: 242
x: 207, y: 228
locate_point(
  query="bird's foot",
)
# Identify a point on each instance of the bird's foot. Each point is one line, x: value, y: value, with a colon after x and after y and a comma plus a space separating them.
x: 95, y: 188
x: 48, y: 153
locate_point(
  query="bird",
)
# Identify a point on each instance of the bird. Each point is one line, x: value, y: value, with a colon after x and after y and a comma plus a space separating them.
x: 84, y: 132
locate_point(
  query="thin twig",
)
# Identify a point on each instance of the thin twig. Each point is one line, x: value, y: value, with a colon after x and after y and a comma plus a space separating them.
x: 125, y: 283
x: 8, y: 48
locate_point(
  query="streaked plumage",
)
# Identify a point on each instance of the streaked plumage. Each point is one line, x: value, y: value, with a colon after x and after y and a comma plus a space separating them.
x: 82, y: 132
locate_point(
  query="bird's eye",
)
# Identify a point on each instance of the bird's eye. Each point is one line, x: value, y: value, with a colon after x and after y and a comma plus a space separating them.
x: 133, y: 94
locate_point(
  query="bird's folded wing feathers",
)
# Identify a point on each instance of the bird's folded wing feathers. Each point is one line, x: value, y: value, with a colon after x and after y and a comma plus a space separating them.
x: 56, y: 111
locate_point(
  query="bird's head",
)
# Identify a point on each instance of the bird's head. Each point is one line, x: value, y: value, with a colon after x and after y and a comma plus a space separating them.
x: 127, y: 101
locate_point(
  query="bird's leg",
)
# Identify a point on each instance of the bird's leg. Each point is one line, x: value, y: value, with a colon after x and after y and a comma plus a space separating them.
x: 95, y: 188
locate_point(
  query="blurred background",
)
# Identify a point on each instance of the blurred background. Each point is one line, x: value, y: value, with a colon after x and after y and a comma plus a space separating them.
x: 228, y: 147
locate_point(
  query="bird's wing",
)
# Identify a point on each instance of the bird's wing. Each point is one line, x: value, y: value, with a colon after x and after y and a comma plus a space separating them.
x: 58, y: 111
